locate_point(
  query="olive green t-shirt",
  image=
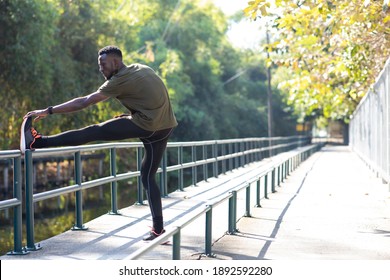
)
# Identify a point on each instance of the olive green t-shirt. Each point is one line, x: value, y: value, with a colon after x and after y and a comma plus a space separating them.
x: 142, y: 91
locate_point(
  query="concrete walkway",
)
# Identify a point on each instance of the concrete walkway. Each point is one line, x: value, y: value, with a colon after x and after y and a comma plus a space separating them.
x: 331, y: 208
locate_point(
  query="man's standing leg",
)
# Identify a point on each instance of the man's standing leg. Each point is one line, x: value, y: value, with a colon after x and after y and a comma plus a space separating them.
x: 154, y: 150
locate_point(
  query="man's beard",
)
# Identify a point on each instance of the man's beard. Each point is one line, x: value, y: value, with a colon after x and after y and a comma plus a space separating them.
x: 111, y: 74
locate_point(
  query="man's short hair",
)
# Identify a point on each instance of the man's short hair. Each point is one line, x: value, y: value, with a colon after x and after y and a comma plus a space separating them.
x: 110, y: 50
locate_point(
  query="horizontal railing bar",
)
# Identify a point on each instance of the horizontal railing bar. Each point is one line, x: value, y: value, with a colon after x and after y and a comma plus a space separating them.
x: 85, y: 148
x: 128, y: 175
x: 199, y: 212
x: 84, y: 185
x: 98, y: 182
x: 64, y: 190
x: 9, y: 154
x: 12, y: 202
x: 54, y: 193
x: 156, y: 242
x: 218, y: 201
x: 101, y: 146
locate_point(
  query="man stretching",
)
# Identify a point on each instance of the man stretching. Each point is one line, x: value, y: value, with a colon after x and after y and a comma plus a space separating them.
x: 150, y: 118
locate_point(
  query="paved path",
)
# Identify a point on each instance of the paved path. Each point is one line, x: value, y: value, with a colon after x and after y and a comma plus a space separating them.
x: 331, y: 208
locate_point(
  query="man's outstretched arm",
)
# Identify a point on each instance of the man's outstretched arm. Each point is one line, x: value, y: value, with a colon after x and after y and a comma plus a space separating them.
x: 70, y: 106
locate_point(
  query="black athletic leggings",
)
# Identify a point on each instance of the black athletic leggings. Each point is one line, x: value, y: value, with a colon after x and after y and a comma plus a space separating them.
x: 121, y: 128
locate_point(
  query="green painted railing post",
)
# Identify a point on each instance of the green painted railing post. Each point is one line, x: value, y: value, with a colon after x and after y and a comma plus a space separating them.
x: 248, y: 201
x: 164, y: 176
x: 258, y: 193
x: 286, y: 171
x: 209, y: 232
x: 181, y: 173
x: 176, y: 246
x: 224, y: 162
x: 292, y: 167
x: 79, y: 194
x: 245, y: 156
x: 288, y: 167
x: 270, y: 147
x: 28, y: 162
x: 292, y: 164
x: 232, y: 213
x: 255, y: 154
x: 17, y: 209
x: 114, y: 185
x: 280, y: 174
x: 140, y: 192
x: 295, y: 162
x: 236, y: 158
x: 215, y: 156
x: 273, y: 180
x: 231, y: 161
x: 250, y: 147
x: 251, y: 155
x: 194, y: 172
x: 205, y: 167
x: 266, y: 186
x: 242, y: 157
x: 18, y: 249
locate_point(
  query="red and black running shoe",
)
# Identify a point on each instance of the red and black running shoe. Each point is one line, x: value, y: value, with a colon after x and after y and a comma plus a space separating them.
x: 28, y: 135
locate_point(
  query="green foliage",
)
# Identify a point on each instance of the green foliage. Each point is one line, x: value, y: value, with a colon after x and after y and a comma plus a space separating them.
x: 49, y: 55
x: 25, y: 34
x: 334, y: 50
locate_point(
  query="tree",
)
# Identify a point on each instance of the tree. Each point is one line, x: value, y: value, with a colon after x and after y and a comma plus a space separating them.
x: 334, y: 50
x: 49, y: 51
x: 26, y: 31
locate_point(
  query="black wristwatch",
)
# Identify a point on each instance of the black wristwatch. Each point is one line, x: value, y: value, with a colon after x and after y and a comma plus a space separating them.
x: 50, y: 109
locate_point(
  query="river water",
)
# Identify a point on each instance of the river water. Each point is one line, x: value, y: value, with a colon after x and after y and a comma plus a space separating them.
x: 57, y: 215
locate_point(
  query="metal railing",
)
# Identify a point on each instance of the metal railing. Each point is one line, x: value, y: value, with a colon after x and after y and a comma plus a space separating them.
x: 17, y: 201
x: 222, y: 155
x: 369, y: 129
x: 277, y: 172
